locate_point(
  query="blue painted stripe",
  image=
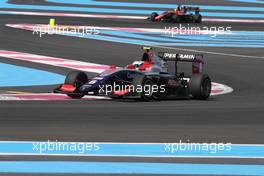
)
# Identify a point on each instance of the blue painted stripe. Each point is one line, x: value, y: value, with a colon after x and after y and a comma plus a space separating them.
x: 11, y: 75
x: 132, y: 149
x: 152, y: 5
x: 5, y: 5
x: 179, y: 43
x: 59, y: 167
x: 250, y: 39
x: 220, y: 39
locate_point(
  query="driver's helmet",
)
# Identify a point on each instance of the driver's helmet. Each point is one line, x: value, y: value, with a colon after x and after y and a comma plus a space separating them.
x: 137, y: 64
x: 184, y: 9
x: 178, y: 8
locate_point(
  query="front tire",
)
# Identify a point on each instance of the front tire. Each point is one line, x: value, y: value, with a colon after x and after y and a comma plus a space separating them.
x: 153, y: 16
x: 200, y: 86
x: 197, y: 18
x: 147, y: 93
x: 76, y: 79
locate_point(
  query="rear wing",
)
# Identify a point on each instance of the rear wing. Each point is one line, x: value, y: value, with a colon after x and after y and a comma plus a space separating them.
x: 192, y: 8
x: 196, y: 60
x: 180, y: 57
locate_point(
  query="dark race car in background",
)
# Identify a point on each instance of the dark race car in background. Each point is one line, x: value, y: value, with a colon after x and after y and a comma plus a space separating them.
x: 179, y: 15
x: 146, y: 80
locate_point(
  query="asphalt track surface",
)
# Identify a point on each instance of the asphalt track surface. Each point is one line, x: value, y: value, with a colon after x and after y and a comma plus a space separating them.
x: 236, y: 117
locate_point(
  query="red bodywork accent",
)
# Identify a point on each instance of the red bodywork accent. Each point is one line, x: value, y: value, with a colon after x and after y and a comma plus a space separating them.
x: 145, y: 66
x: 67, y: 88
x: 178, y: 12
x: 159, y: 17
x: 121, y: 92
x: 110, y: 70
x: 150, y: 56
x: 197, y: 66
x: 130, y: 66
x: 113, y: 67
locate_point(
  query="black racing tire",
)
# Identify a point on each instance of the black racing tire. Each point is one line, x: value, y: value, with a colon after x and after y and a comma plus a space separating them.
x: 197, y: 18
x: 147, y: 95
x: 175, y: 18
x: 200, y: 86
x: 75, y: 96
x: 153, y: 16
x: 76, y: 79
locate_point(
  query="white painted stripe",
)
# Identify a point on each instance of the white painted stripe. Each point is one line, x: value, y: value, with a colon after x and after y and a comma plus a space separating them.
x: 223, y: 89
x: 84, y: 66
x: 45, y: 97
x: 8, y: 98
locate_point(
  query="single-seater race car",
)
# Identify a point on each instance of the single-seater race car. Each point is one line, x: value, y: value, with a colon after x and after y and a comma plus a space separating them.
x: 178, y: 15
x: 147, y: 79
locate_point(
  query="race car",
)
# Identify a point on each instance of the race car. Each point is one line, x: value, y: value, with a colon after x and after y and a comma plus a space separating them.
x: 178, y: 15
x: 143, y: 80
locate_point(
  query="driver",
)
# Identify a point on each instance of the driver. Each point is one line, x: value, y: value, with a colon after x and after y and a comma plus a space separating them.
x: 146, y: 55
x: 177, y: 9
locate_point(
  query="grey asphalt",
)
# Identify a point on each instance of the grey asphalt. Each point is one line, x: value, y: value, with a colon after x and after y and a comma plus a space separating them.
x: 235, y: 117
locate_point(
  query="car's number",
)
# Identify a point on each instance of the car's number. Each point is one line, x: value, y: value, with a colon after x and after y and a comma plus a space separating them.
x: 92, y: 81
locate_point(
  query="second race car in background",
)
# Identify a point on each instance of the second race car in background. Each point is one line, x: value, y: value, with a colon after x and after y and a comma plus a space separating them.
x: 179, y: 15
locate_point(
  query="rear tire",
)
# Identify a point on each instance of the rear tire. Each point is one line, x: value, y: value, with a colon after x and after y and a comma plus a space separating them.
x: 76, y: 79
x: 200, y: 86
x: 197, y: 18
x: 75, y: 96
x: 153, y: 16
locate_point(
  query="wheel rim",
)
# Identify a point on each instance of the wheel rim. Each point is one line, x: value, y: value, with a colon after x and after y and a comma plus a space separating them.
x: 80, y: 81
x: 148, y: 93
